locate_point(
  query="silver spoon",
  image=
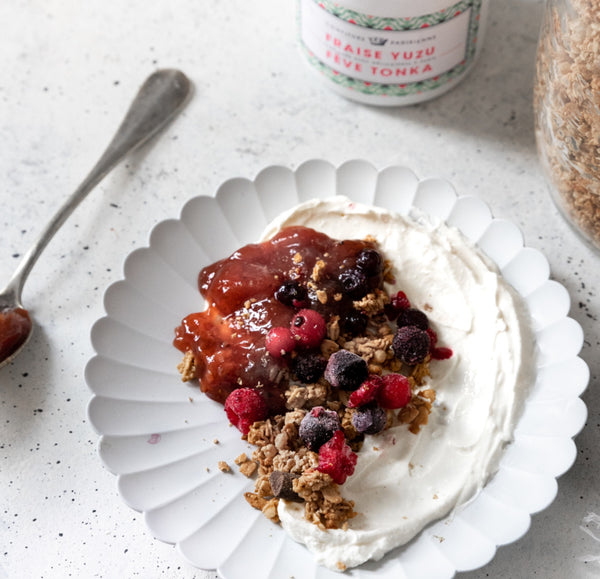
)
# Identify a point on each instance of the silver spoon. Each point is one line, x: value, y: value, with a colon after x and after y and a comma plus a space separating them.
x: 160, y: 98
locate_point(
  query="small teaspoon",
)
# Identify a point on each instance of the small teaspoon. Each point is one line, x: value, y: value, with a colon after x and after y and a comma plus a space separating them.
x: 161, y: 97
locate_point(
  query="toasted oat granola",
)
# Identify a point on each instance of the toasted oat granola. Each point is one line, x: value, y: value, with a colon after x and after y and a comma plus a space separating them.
x: 567, y: 105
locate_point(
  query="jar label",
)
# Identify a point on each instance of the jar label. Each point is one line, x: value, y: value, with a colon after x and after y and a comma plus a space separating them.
x: 394, y: 56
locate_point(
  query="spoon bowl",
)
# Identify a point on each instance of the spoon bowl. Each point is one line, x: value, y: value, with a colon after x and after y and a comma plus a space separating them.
x: 160, y: 98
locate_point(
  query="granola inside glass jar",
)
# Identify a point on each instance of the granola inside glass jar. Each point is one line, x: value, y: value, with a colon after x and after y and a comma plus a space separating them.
x: 567, y: 111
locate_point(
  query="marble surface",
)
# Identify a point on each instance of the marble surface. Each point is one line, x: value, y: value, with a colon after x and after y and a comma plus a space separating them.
x: 69, y: 72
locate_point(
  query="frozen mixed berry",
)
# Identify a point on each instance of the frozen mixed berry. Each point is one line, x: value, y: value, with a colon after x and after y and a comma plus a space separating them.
x: 309, y: 366
x: 280, y: 342
x: 411, y: 344
x: 346, y: 370
x: 366, y: 392
x: 355, y: 322
x: 413, y: 317
x: 398, y: 302
x: 433, y: 337
x: 337, y: 459
x: 353, y: 283
x: 369, y: 419
x: 395, y: 391
x: 369, y: 261
x: 308, y: 328
x: 441, y: 353
x: 244, y: 407
x: 292, y: 293
x: 437, y: 353
x: 318, y: 426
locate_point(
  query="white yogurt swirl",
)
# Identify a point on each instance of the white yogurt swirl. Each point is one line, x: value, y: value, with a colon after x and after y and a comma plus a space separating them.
x: 404, y: 481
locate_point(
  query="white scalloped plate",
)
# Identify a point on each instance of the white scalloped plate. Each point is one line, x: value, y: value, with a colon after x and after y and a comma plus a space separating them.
x: 157, y: 434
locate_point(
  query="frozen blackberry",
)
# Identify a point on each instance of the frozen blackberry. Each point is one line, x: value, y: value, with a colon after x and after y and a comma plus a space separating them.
x: 318, y: 426
x: 353, y: 283
x: 346, y: 370
x: 355, y: 322
x: 369, y: 419
x: 413, y: 317
x: 369, y: 262
x: 292, y: 294
x: 308, y: 366
x: 411, y: 344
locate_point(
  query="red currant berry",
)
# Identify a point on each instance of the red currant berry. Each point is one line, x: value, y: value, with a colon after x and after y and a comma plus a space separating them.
x: 280, y: 342
x: 308, y: 328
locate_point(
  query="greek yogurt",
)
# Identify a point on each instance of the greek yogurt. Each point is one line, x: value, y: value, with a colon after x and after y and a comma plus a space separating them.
x: 404, y: 481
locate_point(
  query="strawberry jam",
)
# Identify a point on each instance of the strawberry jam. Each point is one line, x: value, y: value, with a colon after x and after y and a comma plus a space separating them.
x: 15, y: 327
x: 245, y: 299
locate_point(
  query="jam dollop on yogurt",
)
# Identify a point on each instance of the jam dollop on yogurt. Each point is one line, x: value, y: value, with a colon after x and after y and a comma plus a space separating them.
x: 271, y: 298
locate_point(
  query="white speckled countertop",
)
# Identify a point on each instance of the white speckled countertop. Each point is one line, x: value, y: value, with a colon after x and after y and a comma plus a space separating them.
x: 69, y: 72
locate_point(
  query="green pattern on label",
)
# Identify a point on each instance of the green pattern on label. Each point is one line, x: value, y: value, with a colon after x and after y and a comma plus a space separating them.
x: 382, y: 23
x: 398, y: 24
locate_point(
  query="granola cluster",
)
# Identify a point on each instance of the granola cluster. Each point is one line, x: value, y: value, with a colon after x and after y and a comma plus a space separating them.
x: 567, y: 104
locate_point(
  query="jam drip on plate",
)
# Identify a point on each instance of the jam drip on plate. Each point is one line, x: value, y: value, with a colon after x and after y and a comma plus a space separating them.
x: 263, y: 286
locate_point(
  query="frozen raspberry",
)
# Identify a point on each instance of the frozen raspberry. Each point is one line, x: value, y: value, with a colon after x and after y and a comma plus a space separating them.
x: 308, y: 366
x: 244, y: 407
x: 395, y: 391
x: 280, y: 342
x: 346, y: 370
x: 355, y: 322
x: 433, y: 338
x: 437, y: 353
x: 398, y: 302
x: 318, y: 426
x: 366, y: 391
x: 336, y: 458
x: 441, y: 353
x: 291, y: 293
x: 354, y: 283
x: 369, y: 262
x: 413, y: 317
x: 411, y: 344
x: 308, y: 328
x: 369, y: 419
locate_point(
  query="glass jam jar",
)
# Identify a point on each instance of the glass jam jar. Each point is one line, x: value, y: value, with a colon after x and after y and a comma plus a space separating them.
x: 391, y: 52
x: 567, y: 111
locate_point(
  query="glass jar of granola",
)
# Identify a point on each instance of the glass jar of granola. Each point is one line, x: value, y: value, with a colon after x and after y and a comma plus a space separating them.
x: 567, y: 111
x: 391, y: 52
